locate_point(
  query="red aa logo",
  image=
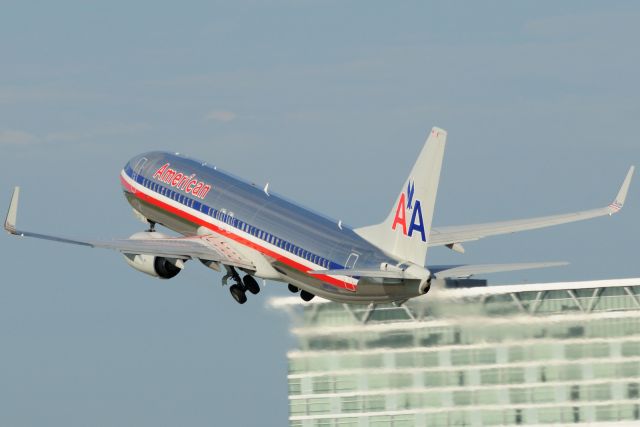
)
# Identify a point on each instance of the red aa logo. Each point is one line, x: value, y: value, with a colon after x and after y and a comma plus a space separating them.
x: 405, y: 203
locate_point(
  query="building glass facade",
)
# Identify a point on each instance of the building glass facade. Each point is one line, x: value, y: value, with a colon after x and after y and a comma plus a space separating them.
x: 561, y: 353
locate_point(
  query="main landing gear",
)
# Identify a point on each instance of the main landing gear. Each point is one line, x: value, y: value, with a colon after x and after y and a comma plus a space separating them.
x: 239, y: 289
x: 306, y: 296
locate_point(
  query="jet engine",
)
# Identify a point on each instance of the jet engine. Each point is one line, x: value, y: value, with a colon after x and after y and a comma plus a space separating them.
x: 164, y: 268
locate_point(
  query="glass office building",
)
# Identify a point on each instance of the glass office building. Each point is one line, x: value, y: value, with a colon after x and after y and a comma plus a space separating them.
x: 535, y: 354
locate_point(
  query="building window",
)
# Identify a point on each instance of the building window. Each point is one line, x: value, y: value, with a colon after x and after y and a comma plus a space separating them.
x: 576, y: 414
x: 633, y: 391
x: 518, y: 419
x: 575, y: 392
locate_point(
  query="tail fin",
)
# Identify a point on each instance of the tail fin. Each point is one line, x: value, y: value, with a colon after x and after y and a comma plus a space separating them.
x: 405, y: 232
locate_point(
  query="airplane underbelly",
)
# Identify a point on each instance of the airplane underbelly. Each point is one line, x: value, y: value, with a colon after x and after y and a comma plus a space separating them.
x: 367, y: 291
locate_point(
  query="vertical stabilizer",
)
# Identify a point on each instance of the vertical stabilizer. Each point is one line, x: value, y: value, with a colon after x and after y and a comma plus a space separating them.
x: 405, y: 232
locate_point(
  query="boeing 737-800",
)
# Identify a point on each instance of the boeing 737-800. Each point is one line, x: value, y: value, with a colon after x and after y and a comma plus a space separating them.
x: 228, y: 223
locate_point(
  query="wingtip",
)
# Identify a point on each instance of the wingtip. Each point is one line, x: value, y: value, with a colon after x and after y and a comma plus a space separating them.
x: 439, y: 133
x: 12, y: 213
x: 621, y: 197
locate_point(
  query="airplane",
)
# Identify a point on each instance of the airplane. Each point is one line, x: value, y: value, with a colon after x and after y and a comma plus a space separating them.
x: 226, y: 222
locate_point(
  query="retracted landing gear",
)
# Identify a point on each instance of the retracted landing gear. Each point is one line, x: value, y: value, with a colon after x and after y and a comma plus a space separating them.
x: 240, y: 287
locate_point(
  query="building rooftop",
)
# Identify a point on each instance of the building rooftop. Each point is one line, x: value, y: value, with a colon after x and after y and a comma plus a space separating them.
x: 531, y: 298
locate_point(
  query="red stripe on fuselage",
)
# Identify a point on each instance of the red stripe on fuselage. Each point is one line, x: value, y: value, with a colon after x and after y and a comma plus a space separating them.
x: 194, y: 219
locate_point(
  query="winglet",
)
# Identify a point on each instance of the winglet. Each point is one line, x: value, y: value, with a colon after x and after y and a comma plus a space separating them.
x: 618, y: 203
x: 10, y: 221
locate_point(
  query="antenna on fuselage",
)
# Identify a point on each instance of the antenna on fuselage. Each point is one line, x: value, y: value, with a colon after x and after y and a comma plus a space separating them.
x: 266, y: 189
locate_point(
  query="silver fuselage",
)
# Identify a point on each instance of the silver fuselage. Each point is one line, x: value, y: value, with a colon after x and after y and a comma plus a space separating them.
x: 293, y: 239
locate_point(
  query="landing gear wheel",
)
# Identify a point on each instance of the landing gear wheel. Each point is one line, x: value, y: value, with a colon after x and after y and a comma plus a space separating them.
x: 293, y: 289
x: 250, y: 284
x: 237, y: 292
x: 306, y: 296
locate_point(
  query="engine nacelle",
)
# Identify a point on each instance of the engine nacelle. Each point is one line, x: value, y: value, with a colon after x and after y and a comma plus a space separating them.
x: 155, y: 266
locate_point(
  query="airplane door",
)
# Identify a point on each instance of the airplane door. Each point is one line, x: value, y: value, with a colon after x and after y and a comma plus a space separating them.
x: 138, y: 168
x: 351, y: 260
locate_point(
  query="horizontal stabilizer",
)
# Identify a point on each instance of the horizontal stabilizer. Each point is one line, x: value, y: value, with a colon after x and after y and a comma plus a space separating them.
x: 463, y: 271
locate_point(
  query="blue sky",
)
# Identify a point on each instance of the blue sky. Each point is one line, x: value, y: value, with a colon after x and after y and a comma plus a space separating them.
x: 328, y: 101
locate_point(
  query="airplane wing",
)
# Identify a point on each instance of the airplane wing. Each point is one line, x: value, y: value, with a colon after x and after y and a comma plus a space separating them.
x: 209, y: 247
x: 453, y: 236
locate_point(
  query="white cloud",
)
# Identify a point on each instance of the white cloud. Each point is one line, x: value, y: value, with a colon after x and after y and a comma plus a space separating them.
x: 16, y: 137
x: 221, y: 116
